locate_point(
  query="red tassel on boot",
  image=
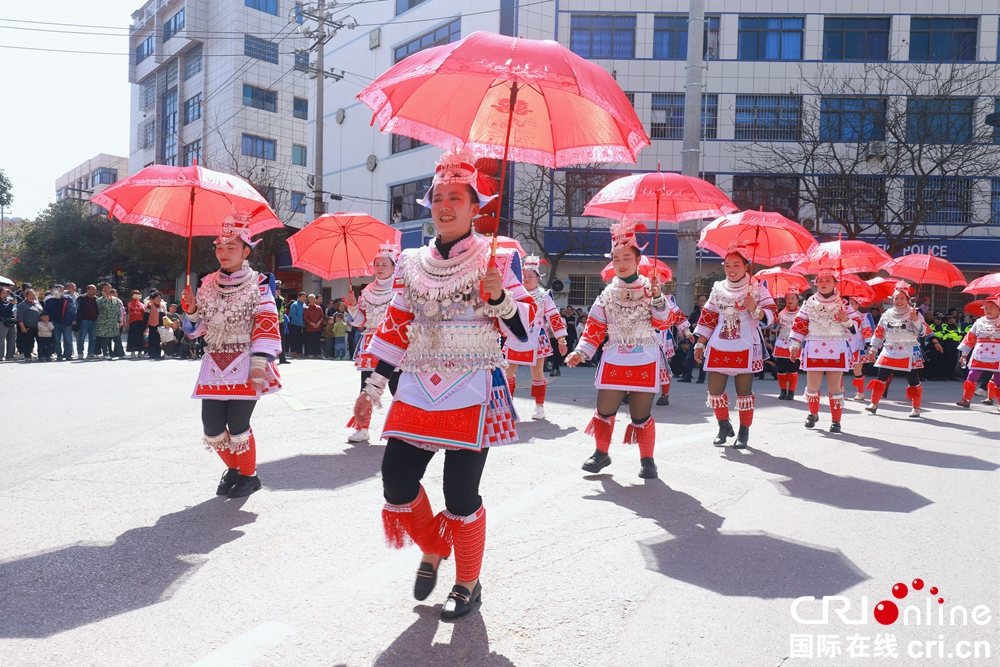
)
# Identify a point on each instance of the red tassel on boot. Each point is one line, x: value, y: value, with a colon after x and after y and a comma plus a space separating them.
x: 877, y: 387
x: 915, y: 394
x: 836, y: 406
x: 414, y: 523
x: 812, y: 400
x: 468, y: 536
x: 782, y: 381
x: 991, y: 389
x: 793, y: 382
x: 602, y: 429
x: 745, y: 405
x: 538, y: 388
x: 644, y: 435
x: 245, y: 448
x: 720, y: 405
x: 859, y: 385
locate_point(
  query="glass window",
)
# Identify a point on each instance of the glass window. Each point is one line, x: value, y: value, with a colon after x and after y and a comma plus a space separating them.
x: 192, y: 153
x: 147, y: 93
x: 302, y: 62
x: 768, y: 117
x: 298, y: 155
x: 144, y: 50
x: 146, y: 133
x: 173, y: 25
x: 773, y: 193
x: 996, y: 128
x: 508, y: 9
x: 851, y: 199
x: 668, y: 116
x: 403, y: 200
x: 298, y: 13
x: 995, y: 202
x: 855, y: 38
x: 446, y: 34
x: 852, y: 119
x: 943, y: 39
x: 261, y: 49
x: 600, y: 36
x: 401, y: 144
x: 298, y: 202
x: 258, y: 98
x: 268, y: 6
x: 584, y: 290
x: 945, y: 200
x: 258, y: 147
x: 945, y: 120
x: 770, y: 38
x: 192, y: 62
x: 192, y: 109
x: 670, y: 38
x: 169, y: 128
x: 104, y: 176
x: 300, y: 108
x: 581, y: 186
x: 403, y: 5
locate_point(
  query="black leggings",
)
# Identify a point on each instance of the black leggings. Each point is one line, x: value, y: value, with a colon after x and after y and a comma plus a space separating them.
x: 403, y: 467
x: 216, y: 416
x: 786, y: 366
x: 912, y: 377
x: 640, y: 403
x: 393, y: 380
x: 717, y: 383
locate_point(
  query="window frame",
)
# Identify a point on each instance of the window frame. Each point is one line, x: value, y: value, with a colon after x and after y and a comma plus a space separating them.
x: 172, y: 25
x: 935, y: 27
x: 578, y: 32
x: 304, y: 151
x: 145, y: 48
x: 300, y: 108
x: 868, y: 32
x: 712, y: 27
x: 944, y: 188
x: 410, y: 4
x: 592, y: 286
x: 97, y: 177
x: 921, y: 133
x: 403, y: 197
x: 759, y: 132
x: 193, y: 61
x: 400, y: 143
x: 454, y: 33
x: 260, y: 49
x: 743, y: 41
x: 839, y: 117
x: 267, y: 4
x: 259, y: 145
x: 768, y: 191
x: 170, y: 126
x: 258, y: 98
x: 301, y: 206
x: 192, y: 108
x: 709, y: 121
x: 189, y: 148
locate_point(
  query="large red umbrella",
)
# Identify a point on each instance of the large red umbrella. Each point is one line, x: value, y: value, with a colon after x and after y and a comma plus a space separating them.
x: 513, y: 244
x: 187, y: 201
x: 984, y: 284
x: 780, y: 280
x: 976, y: 307
x: 853, y: 287
x: 663, y: 272
x: 771, y: 237
x: 852, y: 256
x: 883, y: 287
x: 340, y: 245
x: 922, y: 269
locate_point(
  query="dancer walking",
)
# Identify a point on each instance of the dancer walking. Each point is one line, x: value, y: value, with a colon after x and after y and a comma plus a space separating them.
x: 235, y: 312
x: 538, y: 347
x: 679, y: 321
x: 980, y: 350
x: 630, y: 310
x: 442, y: 330
x: 897, y: 346
x: 859, y: 345
x: 788, y: 370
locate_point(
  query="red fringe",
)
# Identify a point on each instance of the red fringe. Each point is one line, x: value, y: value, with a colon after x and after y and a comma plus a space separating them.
x: 395, y: 534
x: 631, y: 435
x: 991, y: 388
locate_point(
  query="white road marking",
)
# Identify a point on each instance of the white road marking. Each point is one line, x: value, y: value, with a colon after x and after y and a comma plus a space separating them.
x: 242, y: 651
x: 293, y: 403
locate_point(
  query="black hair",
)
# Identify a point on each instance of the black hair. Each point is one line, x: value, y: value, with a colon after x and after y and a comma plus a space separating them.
x: 473, y: 195
x: 154, y: 294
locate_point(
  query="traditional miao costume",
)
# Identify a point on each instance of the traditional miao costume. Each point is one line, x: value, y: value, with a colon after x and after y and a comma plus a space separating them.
x: 982, y: 347
x: 539, y: 344
x: 897, y: 343
x: 444, y: 336
x: 368, y: 313
x: 632, y: 360
x: 788, y: 370
x: 675, y: 318
x: 237, y: 316
x: 859, y: 344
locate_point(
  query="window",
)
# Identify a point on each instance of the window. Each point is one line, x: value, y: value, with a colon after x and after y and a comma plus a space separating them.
x: 173, y: 25
x: 668, y: 116
x: 602, y: 36
x: 942, y: 200
x: 507, y: 13
x: 147, y: 92
x: 403, y: 200
x: 996, y: 129
x: 298, y: 202
x: 773, y: 193
x: 446, y: 34
x: 939, y: 120
x: 852, y: 119
x: 267, y: 6
x: 855, y: 38
x: 300, y: 108
x: 146, y: 133
x: 943, y: 39
x: 144, y: 50
x: 298, y: 155
x: 584, y: 290
x: 170, y: 128
x: 267, y: 192
x: 258, y: 147
x: 770, y: 38
x: 192, y: 153
x: 192, y: 62
x: 581, y: 186
x: 670, y: 37
x: 851, y: 199
x: 403, y: 5
x: 261, y: 49
x: 192, y: 109
x: 768, y: 117
x: 104, y: 176
x: 298, y: 13
x: 302, y: 62
x: 401, y: 144
x: 631, y: 99
x: 258, y: 98
x: 995, y: 202
x: 59, y: 194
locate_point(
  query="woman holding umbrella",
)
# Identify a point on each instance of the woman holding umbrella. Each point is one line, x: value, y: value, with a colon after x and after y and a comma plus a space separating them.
x: 442, y: 331
x: 897, y: 346
x: 788, y: 370
x: 981, y: 350
x: 859, y: 344
x: 235, y: 312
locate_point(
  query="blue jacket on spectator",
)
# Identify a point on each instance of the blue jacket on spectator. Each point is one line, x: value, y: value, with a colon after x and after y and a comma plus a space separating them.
x: 60, y: 311
x: 295, y: 313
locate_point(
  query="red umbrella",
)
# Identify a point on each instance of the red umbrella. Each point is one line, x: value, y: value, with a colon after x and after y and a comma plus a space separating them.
x: 984, y: 284
x: 853, y: 287
x: 850, y: 256
x: 340, y: 245
x: 884, y: 287
x: 187, y: 201
x: 924, y: 269
x: 663, y: 272
x: 513, y: 244
x: 779, y: 280
x: 975, y: 307
x: 773, y: 238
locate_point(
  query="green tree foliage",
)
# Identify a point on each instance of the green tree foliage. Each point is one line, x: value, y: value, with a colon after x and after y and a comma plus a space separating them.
x: 6, y: 191
x: 62, y: 244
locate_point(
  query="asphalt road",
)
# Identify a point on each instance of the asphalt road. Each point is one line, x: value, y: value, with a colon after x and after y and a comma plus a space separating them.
x: 115, y: 550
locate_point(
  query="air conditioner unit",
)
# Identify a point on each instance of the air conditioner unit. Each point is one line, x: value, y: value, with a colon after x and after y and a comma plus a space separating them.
x: 560, y: 286
x: 809, y: 224
x: 873, y: 150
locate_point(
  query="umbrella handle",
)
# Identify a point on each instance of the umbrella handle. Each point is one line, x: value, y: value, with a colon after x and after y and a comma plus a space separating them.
x: 503, y: 165
x: 187, y: 275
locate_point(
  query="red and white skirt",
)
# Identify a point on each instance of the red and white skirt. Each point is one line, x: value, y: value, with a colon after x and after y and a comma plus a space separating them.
x: 827, y: 355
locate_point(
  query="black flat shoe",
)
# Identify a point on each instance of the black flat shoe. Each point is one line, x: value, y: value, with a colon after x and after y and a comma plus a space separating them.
x: 835, y: 427
x: 663, y: 400
x: 783, y: 396
x: 647, y: 469
x: 811, y: 420
x: 725, y: 431
x: 427, y: 577
x: 245, y: 486
x: 460, y: 602
x: 743, y: 439
x: 597, y: 461
x: 228, y: 480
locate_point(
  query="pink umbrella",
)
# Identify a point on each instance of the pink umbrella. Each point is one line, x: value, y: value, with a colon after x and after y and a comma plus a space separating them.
x: 853, y: 287
x: 924, y: 269
x: 984, y: 284
x: 663, y: 272
x: 513, y: 244
x: 773, y: 238
x: 884, y: 287
x: 780, y: 280
x: 851, y: 256
x: 340, y: 245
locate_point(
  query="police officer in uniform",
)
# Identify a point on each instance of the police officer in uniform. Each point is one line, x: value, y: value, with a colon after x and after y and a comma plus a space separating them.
x: 935, y: 359
x: 950, y: 336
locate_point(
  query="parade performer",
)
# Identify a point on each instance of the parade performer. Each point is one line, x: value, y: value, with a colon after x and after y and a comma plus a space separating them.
x: 859, y: 345
x: 788, y: 370
x: 821, y: 333
x: 366, y: 313
x: 538, y: 346
x: 679, y: 320
x: 980, y: 349
x: 235, y: 312
x: 731, y: 324
x: 442, y: 330
x: 897, y: 346
x: 630, y: 310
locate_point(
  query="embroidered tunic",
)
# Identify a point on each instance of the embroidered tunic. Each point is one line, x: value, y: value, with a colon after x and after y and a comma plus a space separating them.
x: 825, y: 341
x: 783, y: 325
x: 547, y: 319
x: 237, y: 316
x: 368, y: 313
x: 983, y: 340
x: 735, y: 341
x: 445, y: 338
x: 896, y: 338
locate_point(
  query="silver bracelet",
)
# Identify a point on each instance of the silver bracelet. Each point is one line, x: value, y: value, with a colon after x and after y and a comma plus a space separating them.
x: 504, y: 310
x: 375, y: 387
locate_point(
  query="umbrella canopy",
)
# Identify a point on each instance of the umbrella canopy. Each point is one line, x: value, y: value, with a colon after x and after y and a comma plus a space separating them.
x: 853, y: 287
x: 513, y: 244
x: 976, y: 307
x: 984, y: 284
x: 340, y: 245
x: 779, y: 280
x: 770, y: 237
x: 851, y: 256
x: 659, y: 196
x: 924, y: 269
x: 663, y: 272
x: 6, y: 282
x: 883, y: 287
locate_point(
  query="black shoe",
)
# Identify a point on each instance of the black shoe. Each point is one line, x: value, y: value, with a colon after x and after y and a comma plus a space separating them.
x: 647, y: 468
x: 700, y: 381
x: 245, y: 486
x: 811, y: 420
x: 987, y: 401
x: 427, y: 578
x: 228, y: 480
x: 597, y: 461
x: 872, y: 408
x: 684, y: 380
x: 557, y: 372
x: 460, y: 602
x: 743, y: 439
x: 663, y: 400
x: 834, y: 427
x: 725, y: 431
x: 784, y: 395
x: 790, y: 396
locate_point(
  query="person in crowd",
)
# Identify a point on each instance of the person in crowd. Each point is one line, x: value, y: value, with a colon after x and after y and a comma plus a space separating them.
x: 328, y: 337
x: 297, y: 325
x: 170, y: 334
x: 788, y: 370
x: 46, y: 346
x: 136, y: 322
x: 689, y: 362
x: 117, y: 348
x: 87, y: 313
x: 27, y: 314
x: 109, y: 322
x: 312, y: 315
x: 339, y: 337
x: 950, y: 336
x: 896, y: 348
x: 859, y: 346
x: 62, y: 314
x: 8, y: 325
x: 152, y: 317
x: 678, y: 362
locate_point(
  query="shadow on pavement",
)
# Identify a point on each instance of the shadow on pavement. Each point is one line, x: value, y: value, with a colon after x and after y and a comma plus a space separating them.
x: 753, y: 564
x: 818, y: 486
x: 322, y: 471
x: 470, y: 644
x: 67, y: 588
x: 542, y: 429
x: 921, y: 457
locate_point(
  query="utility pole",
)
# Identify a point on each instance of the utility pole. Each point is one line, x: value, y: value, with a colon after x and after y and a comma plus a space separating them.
x: 687, y: 233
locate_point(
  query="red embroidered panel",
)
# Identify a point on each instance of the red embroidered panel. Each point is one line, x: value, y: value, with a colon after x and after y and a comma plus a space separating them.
x: 460, y: 426
x: 631, y: 376
x: 222, y: 391
x: 728, y: 360
x: 985, y: 365
x: 800, y: 325
x: 708, y: 318
x: 266, y: 326
x: 224, y: 359
x: 522, y: 356
x: 894, y: 362
x: 395, y: 327
x: 836, y: 363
